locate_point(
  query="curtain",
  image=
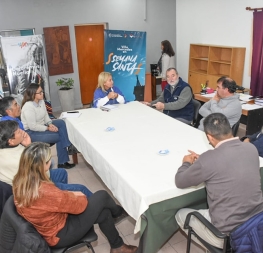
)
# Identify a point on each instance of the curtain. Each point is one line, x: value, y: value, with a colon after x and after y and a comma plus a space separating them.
x: 256, y: 84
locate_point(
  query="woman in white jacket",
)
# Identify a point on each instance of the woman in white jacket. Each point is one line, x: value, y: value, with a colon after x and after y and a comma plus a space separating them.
x: 167, y: 60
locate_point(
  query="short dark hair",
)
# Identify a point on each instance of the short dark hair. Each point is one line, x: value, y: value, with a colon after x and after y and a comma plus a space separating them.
x: 167, y: 48
x: 5, y: 103
x: 228, y: 83
x: 217, y: 125
x: 7, y: 131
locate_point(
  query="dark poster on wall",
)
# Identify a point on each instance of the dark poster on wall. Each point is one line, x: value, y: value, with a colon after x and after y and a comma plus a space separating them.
x: 58, y: 50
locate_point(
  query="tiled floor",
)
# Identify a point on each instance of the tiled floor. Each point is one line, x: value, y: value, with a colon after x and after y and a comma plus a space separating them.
x: 84, y: 174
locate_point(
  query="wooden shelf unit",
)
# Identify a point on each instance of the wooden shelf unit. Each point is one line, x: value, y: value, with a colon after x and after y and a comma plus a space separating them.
x: 210, y: 62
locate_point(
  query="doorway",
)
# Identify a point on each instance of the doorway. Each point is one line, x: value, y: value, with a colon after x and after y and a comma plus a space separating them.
x: 90, y: 54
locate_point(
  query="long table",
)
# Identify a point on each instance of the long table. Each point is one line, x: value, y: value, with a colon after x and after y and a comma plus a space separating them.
x: 128, y: 161
x: 252, y: 115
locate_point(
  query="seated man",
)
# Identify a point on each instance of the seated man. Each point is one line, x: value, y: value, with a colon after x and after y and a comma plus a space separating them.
x: 176, y: 98
x: 10, y: 110
x: 225, y: 171
x: 12, y: 143
x: 257, y: 140
x: 225, y: 101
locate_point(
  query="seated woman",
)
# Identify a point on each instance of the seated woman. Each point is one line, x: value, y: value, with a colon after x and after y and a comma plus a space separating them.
x: 71, y: 214
x: 106, y: 94
x: 40, y: 127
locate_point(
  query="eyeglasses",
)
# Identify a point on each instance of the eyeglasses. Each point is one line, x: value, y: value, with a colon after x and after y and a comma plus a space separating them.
x: 40, y: 92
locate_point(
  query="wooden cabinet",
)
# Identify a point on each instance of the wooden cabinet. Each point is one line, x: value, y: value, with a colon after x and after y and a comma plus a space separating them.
x: 210, y: 62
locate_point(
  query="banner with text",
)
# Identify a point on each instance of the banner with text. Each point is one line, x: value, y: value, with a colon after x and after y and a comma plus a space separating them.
x: 125, y: 59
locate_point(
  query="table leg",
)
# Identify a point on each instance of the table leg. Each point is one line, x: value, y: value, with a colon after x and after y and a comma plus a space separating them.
x: 75, y: 158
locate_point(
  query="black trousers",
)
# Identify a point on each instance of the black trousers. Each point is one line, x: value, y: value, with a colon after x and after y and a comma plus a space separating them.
x: 101, y: 209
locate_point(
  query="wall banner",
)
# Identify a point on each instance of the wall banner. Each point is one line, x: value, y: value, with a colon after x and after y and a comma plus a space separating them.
x: 125, y: 59
x: 26, y: 63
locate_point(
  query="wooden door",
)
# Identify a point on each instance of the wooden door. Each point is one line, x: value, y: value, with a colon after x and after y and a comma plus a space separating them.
x: 90, y: 53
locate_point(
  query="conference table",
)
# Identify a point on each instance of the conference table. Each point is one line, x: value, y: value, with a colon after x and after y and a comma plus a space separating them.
x: 136, y: 150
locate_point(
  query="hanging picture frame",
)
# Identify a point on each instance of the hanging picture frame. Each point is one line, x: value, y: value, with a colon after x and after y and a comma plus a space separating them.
x: 58, y: 48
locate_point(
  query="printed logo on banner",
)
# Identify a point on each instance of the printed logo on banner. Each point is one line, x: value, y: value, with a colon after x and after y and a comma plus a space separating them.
x: 125, y: 58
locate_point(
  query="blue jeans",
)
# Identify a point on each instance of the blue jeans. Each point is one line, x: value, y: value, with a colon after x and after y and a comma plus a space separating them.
x: 60, y: 138
x: 60, y: 178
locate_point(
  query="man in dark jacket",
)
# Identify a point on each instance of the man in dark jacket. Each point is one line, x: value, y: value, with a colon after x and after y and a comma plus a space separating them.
x: 176, y: 98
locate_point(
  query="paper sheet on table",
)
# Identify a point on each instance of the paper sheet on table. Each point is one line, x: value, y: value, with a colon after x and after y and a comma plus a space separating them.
x: 209, y: 95
x: 250, y: 106
x: 110, y: 107
x: 69, y: 115
x: 245, y: 97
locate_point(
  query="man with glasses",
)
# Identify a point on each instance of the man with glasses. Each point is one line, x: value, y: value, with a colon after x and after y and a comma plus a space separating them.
x: 225, y: 101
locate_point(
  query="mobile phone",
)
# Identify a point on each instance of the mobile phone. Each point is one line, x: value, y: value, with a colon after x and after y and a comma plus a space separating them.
x: 73, y: 112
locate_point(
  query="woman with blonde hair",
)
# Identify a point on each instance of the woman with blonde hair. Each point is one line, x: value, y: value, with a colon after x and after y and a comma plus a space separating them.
x: 62, y: 217
x: 106, y: 93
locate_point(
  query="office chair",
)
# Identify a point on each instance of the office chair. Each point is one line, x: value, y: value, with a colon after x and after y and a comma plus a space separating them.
x: 247, y: 237
x: 197, y: 106
x: 5, y: 193
x: 214, y: 230
x: 19, y: 235
x: 235, y: 128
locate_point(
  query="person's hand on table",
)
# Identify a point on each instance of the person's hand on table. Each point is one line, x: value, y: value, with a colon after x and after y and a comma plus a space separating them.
x: 52, y: 128
x: 190, y: 158
x: 159, y: 105
x: 26, y: 139
x: 146, y: 103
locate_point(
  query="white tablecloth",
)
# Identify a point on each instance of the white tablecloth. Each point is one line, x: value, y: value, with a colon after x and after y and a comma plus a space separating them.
x: 127, y: 158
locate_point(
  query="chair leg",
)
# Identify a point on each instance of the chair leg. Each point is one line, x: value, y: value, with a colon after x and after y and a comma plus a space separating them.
x: 188, y: 240
x: 90, y: 247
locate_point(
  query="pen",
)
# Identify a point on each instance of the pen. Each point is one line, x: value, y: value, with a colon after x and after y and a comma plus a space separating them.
x: 73, y: 112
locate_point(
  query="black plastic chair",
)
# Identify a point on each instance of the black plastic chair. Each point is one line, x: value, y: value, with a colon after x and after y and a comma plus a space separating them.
x: 197, y: 106
x: 226, y: 248
x: 235, y: 128
x: 90, y: 237
x: 19, y: 235
x: 5, y: 193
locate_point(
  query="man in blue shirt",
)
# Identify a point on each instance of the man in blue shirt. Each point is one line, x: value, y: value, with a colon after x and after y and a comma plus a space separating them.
x: 10, y: 110
x: 257, y: 140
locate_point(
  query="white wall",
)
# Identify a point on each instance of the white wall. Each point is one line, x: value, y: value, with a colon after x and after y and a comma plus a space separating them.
x: 120, y: 14
x: 224, y: 22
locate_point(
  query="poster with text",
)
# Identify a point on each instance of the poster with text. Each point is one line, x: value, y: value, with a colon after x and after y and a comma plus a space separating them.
x: 25, y: 61
x: 125, y: 59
